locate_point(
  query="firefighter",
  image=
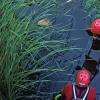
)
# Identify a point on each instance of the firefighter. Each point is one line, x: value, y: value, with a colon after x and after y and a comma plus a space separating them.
x: 94, y: 31
x: 80, y: 90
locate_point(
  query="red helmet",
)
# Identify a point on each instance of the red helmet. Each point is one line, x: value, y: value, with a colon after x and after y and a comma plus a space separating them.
x: 95, y: 27
x: 83, y: 77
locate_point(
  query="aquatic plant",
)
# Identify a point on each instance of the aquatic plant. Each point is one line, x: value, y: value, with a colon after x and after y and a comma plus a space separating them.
x: 21, y: 42
x: 93, y: 7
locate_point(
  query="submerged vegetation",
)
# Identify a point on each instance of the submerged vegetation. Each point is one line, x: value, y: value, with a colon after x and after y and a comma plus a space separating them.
x: 21, y: 42
x: 93, y: 7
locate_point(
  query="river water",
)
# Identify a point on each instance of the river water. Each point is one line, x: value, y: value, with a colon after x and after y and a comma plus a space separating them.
x: 81, y: 22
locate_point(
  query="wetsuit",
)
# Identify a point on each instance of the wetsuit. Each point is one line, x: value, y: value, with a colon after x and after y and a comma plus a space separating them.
x: 82, y: 93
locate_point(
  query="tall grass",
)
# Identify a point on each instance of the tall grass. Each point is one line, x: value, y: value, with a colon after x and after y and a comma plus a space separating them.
x: 93, y: 7
x: 21, y: 41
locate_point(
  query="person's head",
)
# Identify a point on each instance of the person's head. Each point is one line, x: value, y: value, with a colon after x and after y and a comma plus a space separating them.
x: 95, y: 27
x: 83, y: 78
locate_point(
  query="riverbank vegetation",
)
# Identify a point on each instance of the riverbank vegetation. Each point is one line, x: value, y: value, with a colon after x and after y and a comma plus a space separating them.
x: 26, y: 45
x: 93, y: 8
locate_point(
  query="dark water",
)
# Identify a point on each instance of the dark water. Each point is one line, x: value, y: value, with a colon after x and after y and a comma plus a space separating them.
x: 78, y: 21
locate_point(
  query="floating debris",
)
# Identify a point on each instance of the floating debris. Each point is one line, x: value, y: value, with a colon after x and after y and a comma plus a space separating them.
x: 44, y: 22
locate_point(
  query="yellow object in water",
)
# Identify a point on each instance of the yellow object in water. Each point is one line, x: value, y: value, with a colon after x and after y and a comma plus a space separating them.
x: 44, y: 22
